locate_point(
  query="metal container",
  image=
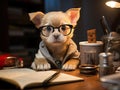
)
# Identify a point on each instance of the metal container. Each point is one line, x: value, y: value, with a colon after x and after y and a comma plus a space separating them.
x: 112, y: 44
x: 89, y: 52
x: 105, y: 64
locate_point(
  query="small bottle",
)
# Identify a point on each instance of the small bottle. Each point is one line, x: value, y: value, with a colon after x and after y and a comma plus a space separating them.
x: 106, y: 64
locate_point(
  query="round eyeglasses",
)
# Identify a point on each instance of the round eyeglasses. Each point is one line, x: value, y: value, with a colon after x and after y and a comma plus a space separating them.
x: 65, y: 29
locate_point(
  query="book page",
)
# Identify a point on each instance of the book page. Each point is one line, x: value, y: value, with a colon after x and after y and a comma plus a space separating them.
x: 24, y: 77
x: 64, y: 78
x: 16, y: 72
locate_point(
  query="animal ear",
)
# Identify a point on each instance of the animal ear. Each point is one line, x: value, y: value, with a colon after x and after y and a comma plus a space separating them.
x: 36, y: 18
x: 74, y: 14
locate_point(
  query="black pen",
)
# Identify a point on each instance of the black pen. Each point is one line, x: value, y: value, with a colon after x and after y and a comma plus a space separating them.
x: 47, y: 81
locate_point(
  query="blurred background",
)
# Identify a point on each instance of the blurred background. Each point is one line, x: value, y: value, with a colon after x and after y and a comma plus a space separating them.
x: 19, y: 36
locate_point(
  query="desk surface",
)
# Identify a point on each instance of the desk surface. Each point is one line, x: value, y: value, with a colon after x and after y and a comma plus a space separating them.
x: 89, y: 83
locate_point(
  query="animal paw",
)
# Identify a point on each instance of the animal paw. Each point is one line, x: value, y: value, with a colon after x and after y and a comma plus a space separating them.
x: 40, y: 64
x: 70, y: 65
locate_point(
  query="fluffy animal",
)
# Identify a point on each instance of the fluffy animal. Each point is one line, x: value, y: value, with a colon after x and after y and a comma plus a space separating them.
x: 57, y: 49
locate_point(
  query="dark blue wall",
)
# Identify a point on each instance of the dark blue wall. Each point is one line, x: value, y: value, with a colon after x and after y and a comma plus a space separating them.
x: 55, y: 5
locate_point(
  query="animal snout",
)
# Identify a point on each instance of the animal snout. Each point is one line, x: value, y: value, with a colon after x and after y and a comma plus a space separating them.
x: 56, y: 36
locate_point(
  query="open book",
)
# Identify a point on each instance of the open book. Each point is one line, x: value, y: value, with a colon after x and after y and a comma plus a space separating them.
x: 26, y: 78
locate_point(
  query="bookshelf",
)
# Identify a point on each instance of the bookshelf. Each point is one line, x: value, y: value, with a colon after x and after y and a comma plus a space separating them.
x: 23, y: 36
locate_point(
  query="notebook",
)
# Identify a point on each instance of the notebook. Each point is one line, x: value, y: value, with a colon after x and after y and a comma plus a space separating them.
x: 27, y: 78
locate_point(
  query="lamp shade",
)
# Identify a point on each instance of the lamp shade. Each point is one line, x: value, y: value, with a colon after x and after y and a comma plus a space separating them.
x: 113, y: 3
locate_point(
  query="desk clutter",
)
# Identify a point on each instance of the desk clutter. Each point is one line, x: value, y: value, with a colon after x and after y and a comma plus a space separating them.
x: 93, y: 52
x: 111, y: 79
x: 102, y: 57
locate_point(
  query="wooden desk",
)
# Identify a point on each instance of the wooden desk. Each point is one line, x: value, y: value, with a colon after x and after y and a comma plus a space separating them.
x: 89, y: 83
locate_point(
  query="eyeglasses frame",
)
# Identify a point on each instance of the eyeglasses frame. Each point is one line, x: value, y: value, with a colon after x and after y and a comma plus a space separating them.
x: 71, y: 27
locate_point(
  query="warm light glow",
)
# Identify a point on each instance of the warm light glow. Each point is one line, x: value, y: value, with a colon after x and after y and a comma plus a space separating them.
x: 113, y: 4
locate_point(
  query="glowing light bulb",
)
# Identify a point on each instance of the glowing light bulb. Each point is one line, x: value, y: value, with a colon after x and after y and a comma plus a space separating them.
x: 113, y: 4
